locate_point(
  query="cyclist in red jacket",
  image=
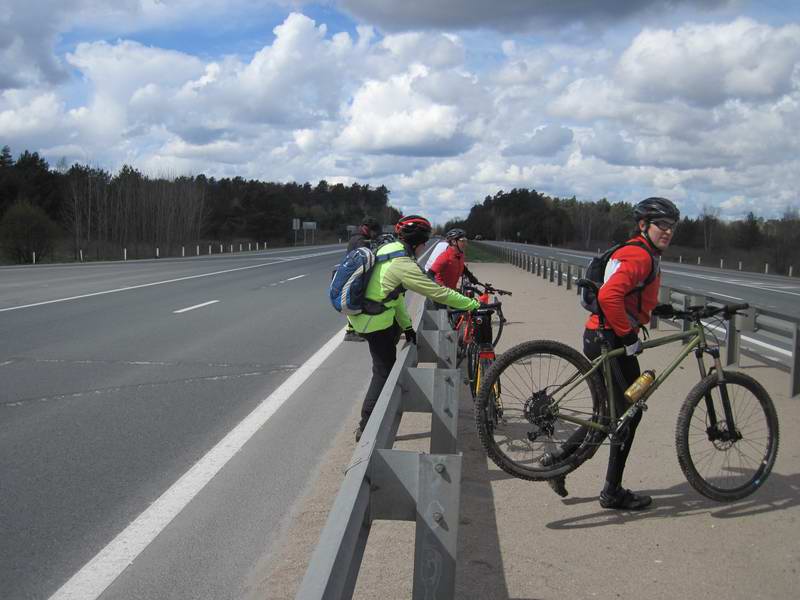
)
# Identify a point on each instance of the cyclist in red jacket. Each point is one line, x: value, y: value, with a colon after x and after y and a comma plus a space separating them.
x: 448, y: 268
x: 626, y: 308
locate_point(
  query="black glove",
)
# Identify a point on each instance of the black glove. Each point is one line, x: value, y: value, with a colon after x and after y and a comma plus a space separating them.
x: 632, y: 343
x: 663, y: 310
x: 411, y: 335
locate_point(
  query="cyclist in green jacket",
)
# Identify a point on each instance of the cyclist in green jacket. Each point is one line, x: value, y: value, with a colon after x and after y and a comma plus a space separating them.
x: 387, y: 285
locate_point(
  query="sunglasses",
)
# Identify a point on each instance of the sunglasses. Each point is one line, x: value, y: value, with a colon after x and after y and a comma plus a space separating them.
x: 666, y: 225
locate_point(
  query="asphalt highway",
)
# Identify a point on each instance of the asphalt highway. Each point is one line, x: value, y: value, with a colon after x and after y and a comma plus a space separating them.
x: 117, y: 378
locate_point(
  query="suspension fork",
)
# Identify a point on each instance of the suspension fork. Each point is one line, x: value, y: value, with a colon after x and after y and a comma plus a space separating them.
x: 723, y: 393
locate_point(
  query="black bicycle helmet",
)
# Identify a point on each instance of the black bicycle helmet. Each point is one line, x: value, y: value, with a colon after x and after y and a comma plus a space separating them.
x: 455, y: 234
x: 372, y: 225
x: 654, y: 208
x: 413, y: 229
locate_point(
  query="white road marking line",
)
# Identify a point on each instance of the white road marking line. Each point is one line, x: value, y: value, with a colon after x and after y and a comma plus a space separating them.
x: 144, y: 285
x: 727, y: 296
x: 188, y: 308
x: 100, y: 572
x: 297, y: 277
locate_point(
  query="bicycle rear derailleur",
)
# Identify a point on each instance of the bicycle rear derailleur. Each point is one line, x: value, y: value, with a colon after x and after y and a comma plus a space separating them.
x: 538, y: 411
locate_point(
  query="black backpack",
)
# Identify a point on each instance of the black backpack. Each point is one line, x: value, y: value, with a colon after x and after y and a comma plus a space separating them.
x: 596, y: 272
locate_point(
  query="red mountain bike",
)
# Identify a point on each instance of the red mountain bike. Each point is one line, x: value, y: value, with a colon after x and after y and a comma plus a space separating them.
x: 476, y: 337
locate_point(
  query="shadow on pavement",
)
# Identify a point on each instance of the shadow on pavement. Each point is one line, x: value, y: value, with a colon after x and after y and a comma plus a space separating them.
x: 779, y: 492
x: 480, y: 563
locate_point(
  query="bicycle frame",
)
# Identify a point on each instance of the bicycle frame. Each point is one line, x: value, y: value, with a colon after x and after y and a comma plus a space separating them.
x: 695, y: 341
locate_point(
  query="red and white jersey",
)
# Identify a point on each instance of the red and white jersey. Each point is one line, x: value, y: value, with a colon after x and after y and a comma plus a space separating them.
x: 626, y: 270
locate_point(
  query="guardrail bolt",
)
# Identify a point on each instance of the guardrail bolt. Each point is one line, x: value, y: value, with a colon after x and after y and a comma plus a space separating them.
x: 439, y: 468
x: 448, y: 379
x: 438, y: 517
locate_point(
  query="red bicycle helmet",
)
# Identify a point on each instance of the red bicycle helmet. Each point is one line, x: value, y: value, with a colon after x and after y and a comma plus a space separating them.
x: 413, y: 229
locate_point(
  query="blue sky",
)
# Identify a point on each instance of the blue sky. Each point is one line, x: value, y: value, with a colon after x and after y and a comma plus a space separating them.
x: 444, y: 103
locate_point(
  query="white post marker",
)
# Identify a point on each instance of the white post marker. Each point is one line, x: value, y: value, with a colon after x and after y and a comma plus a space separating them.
x: 81, y: 253
x: 740, y: 265
x: 100, y: 572
x: 198, y: 249
x: 157, y: 252
x: 124, y: 254
x: 240, y: 247
x: 209, y: 248
x: 34, y: 258
x: 220, y: 249
x: 183, y: 251
x: 766, y: 268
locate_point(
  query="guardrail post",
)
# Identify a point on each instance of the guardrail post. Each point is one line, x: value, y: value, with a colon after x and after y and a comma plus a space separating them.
x: 434, y: 391
x: 436, y: 319
x: 424, y: 488
x: 743, y: 322
x: 690, y: 300
x: 664, y: 294
x: 552, y: 268
x: 579, y: 274
x: 560, y: 273
x: 569, y: 276
x: 794, y: 380
x: 437, y: 347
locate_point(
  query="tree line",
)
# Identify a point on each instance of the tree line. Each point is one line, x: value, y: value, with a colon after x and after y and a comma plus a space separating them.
x: 59, y: 212
x: 530, y: 216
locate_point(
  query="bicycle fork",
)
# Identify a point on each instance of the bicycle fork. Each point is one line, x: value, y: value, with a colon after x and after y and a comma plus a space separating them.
x: 730, y: 434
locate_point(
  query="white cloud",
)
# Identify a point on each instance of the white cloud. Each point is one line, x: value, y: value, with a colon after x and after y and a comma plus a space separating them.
x: 441, y: 119
x: 709, y: 64
x: 545, y: 141
x: 393, y: 117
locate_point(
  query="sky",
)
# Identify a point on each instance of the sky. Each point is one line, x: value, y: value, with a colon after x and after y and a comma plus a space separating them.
x: 444, y: 102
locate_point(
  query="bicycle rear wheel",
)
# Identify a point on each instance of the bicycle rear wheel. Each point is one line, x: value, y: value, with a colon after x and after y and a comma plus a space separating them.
x: 530, y: 422
x: 720, y: 464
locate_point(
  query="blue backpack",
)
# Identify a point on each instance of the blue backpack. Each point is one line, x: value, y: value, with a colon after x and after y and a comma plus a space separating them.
x: 349, y: 283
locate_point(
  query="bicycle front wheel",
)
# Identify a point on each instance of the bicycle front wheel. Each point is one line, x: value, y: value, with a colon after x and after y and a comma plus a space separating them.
x: 524, y: 420
x: 721, y: 464
x: 472, y: 368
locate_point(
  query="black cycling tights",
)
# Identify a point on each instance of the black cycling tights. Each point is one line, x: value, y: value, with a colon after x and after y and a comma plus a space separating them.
x: 626, y: 370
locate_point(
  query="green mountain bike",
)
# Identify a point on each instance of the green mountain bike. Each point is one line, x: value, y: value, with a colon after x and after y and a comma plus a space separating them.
x: 552, y: 395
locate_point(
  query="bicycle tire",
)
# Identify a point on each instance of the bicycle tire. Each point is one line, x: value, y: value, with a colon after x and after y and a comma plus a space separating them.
x: 472, y: 367
x: 757, y: 422
x: 508, y: 441
x: 494, y: 409
x: 501, y: 323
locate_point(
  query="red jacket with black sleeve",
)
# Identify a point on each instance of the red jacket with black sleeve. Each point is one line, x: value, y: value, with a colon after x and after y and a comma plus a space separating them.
x: 627, y: 269
x: 449, y: 267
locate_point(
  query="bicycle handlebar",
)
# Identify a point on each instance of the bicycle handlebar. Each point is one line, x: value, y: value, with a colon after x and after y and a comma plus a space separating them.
x: 481, y: 310
x: 487, y: 288
x: 706, y: 312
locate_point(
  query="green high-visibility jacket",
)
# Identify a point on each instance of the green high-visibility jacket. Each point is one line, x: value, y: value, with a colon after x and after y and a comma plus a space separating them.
x: 402, y: 271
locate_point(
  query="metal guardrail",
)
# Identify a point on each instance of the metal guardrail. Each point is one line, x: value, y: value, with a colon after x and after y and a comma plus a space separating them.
x: 563, y: 272
x: 382, y: 483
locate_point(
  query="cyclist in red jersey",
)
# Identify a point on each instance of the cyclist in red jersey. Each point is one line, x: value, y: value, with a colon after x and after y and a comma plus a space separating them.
x: 626, y: 307
x: 449, y: 266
